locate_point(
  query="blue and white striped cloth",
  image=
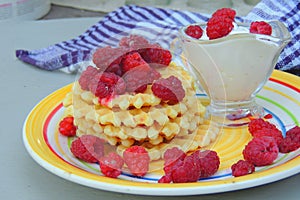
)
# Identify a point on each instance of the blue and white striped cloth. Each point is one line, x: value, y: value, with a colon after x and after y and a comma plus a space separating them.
x: 162, y: 22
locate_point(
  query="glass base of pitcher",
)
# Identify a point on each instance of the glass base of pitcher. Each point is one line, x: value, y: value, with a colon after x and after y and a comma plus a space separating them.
x: 234, y: 114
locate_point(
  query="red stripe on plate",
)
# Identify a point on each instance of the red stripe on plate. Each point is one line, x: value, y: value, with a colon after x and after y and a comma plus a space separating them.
x: 285, y: 84
x: 46, y: 124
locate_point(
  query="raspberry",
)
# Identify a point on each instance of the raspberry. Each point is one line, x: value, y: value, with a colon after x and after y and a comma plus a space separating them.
x: 106, y: 84
x: 115, y: 68
x: 171, y: 166
x: 111, y: 165
x: 268, y: 116
x: 165, y: 179
x: 194, y: 31
x: 67, y: 127
x: 86, y: 76
x: 132, y: 60
x: 261, y: 27
x: 188, y: 168
x: 209, y: 162
x: 294, y: 133
x: 291, y: 142
x: 151, y: 53
x: 261, y: 151
x: 274, y: 133
x: 137, y: 160
x: 172, y: 155
x: 98, y: 88
x: 242, y: 168
x: 108, y: 57
x: 109, y: 79
x: 168, y: 89
x: 225, y: 12
x: 218, y: 27
x: 156, y: 56
x: 258, y: 124
x: 88, y: 148
x: 180, y: 175
x: 172, y: 159
x: 188, y: 171
x: 139, y: 77
x: 141, y: 89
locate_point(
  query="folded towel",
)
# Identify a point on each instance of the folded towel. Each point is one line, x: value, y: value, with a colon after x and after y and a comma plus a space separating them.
x: 128, y: 18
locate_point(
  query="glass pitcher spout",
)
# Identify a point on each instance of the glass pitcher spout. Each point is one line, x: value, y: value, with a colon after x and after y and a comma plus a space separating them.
x: 280, y: 32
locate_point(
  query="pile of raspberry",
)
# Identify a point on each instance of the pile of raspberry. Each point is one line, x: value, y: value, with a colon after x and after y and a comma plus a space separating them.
x: 130, y: 68
x: 91, y: 149
x: 265, y: 146
x: 221, y: 24
x: 180, y: 167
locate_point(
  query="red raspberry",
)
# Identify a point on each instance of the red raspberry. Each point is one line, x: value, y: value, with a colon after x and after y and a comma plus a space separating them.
x: 98, y: 88
x: 137, y: 160
x: 88, y: 148
x: 258, y: 124
x: 165, y: 179
x: 141, y: 89
x: 172, y: 155
x: 115, y: 85
x: 108, y: 57
x: 218, y: 27
x: 67, y: 127
x: 151, y: 53
x: 86, y: 76
x: 111, y: 165
x: 115, y: 68
x: 274, y: 133
x: 156, y: 56
x: 183, y: 170
x: 170, y: 167
x: 209, y: 163
x: 173, y: 158
x: 261, y: 27
x: 291, y: 142
x: 225, y: 12
x: 294, y: 133
x: 242, y: 168
x: 168, y: 89
x: 132, y: 60
x: 194, y: 31
x: 189, y: 168
x: 261, y: 151
x: 180, y: 175
x: 188, y: 171
x: 120, y: 87
x: 268, y: 116
x: 106, y: 84
x: 139, y: 77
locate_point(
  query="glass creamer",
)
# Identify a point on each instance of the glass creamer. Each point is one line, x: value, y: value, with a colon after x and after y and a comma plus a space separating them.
x: 233, y: 69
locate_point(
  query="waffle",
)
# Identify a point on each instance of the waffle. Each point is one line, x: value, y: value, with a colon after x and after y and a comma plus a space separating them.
x: 143, y: 119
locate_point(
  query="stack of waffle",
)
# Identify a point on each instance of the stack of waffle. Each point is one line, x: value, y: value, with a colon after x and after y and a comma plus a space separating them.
x: 142, y: 118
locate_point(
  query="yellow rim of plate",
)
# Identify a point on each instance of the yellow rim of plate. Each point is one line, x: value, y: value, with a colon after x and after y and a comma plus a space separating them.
x: 38, y: 148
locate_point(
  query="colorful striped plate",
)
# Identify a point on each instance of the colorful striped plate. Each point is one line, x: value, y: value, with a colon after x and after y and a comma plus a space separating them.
x: 280, y: 97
